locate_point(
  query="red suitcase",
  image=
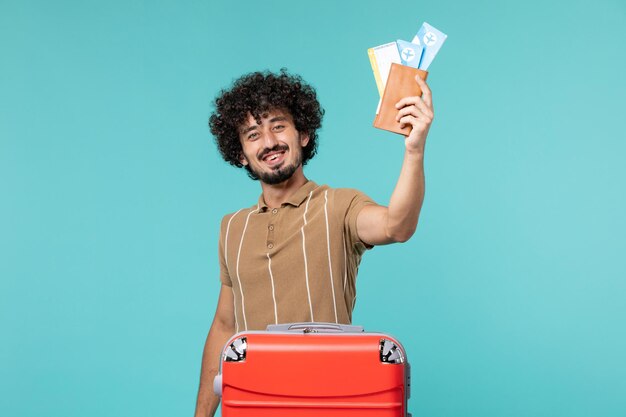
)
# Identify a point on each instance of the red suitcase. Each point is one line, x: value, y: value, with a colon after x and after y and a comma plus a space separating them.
x: 313, y: 369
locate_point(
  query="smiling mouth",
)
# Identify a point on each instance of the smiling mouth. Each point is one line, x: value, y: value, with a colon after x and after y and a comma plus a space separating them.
x: 274, y: 158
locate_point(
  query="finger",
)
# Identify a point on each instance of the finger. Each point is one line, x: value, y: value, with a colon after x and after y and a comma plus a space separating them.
x: 407, y: 121
x: 427, y: 95
x: 414, y: 101
x: 420, y: 118
x: 424, y: 108
x: 413, y: 121
x: 407, y: 101
x: 415, y: 110
x: 422, y: 83
x: 428, y: 99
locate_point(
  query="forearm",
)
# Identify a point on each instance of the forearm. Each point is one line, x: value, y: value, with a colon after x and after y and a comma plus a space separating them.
x: 207, y: 401
x: 407, y: 198
x: 379, y: 225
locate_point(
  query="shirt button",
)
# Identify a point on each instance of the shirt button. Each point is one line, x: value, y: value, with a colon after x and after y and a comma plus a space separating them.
x: 270, y: 245
x: 274, y: 211
x: 271, y: 227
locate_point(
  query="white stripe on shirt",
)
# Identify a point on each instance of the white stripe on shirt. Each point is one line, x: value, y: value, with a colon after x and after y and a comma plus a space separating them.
x: 269, y: 267
x: 226, y: 262
x: 306, y: 270
x: 330, y: 266
x: 243, y: 301
x: 345, y: 263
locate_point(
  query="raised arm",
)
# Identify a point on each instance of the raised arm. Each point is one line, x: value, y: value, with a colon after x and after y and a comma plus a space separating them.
x: 379, y: 225
x: 222, y: 328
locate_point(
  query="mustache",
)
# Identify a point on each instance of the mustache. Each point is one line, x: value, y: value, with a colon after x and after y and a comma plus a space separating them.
x: 277, y: 148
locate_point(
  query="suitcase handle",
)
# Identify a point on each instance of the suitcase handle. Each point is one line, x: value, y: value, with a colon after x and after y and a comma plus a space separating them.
x: 315, y: 328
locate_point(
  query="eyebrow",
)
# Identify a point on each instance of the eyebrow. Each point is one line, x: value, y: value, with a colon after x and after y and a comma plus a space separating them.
x: 272, y: 120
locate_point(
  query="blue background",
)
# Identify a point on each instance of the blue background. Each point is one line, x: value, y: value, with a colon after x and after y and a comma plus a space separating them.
x: 511, y: 296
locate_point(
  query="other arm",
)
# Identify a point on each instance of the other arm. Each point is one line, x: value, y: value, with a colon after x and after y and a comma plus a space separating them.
x: 222, y: 328
x: 379, y: 225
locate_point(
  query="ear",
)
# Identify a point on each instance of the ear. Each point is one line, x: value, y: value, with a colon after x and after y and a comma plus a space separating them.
x: 243, y: 160
x: 304, y: 139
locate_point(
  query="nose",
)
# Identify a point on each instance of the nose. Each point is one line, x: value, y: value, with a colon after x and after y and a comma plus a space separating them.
x: 270, y: 139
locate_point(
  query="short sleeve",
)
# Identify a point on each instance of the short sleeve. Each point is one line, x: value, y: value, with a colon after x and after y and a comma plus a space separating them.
x: 224, y: 274
x: 354, y: 201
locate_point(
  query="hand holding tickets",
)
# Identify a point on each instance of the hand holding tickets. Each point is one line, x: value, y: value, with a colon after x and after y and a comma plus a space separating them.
x: 396, y: 66
x: 416, y: 112
x: 400, y: 84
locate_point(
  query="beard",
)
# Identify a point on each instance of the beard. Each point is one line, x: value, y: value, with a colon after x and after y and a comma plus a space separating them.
x: 279, y: 174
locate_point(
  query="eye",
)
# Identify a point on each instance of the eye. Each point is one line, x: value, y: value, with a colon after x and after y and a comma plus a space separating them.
x: 253, y: 136
x: 279, y: 127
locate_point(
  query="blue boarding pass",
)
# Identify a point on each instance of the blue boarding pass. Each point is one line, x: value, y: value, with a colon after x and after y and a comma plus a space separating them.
x: 431, y: 39
x: 410, y: 53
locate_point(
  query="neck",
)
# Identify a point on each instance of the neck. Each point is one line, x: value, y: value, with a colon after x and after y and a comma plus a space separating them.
x: 275, y: 195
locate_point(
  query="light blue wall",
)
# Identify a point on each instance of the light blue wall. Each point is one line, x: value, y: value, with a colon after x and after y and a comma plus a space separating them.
x: 510, y: 298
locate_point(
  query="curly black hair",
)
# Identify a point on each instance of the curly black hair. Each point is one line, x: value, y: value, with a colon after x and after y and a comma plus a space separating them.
x: 257, y: 93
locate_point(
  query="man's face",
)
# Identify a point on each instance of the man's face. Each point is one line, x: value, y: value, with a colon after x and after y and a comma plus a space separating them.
x: 272, y: 150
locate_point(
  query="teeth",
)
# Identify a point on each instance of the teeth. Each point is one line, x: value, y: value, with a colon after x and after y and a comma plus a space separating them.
x: 273, y: 157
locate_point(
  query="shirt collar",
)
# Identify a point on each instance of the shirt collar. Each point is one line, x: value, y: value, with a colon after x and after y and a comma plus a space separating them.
x: 295, y: 199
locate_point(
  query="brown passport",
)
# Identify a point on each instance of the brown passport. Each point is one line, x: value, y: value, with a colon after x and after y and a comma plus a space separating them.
x: 400, y: 83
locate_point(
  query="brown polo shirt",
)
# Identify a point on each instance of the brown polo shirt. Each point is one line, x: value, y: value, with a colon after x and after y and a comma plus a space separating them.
x: 296, y: 263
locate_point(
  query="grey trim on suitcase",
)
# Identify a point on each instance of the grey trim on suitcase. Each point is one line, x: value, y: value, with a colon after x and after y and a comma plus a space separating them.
x: 313, y: 327
x: 217, y: 384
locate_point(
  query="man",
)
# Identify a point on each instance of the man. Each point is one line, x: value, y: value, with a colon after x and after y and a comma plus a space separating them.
x: 293, y: 256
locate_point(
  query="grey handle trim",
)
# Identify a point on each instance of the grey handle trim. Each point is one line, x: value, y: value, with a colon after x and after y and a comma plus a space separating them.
x: 315, y: 328
x: 217, y: 384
